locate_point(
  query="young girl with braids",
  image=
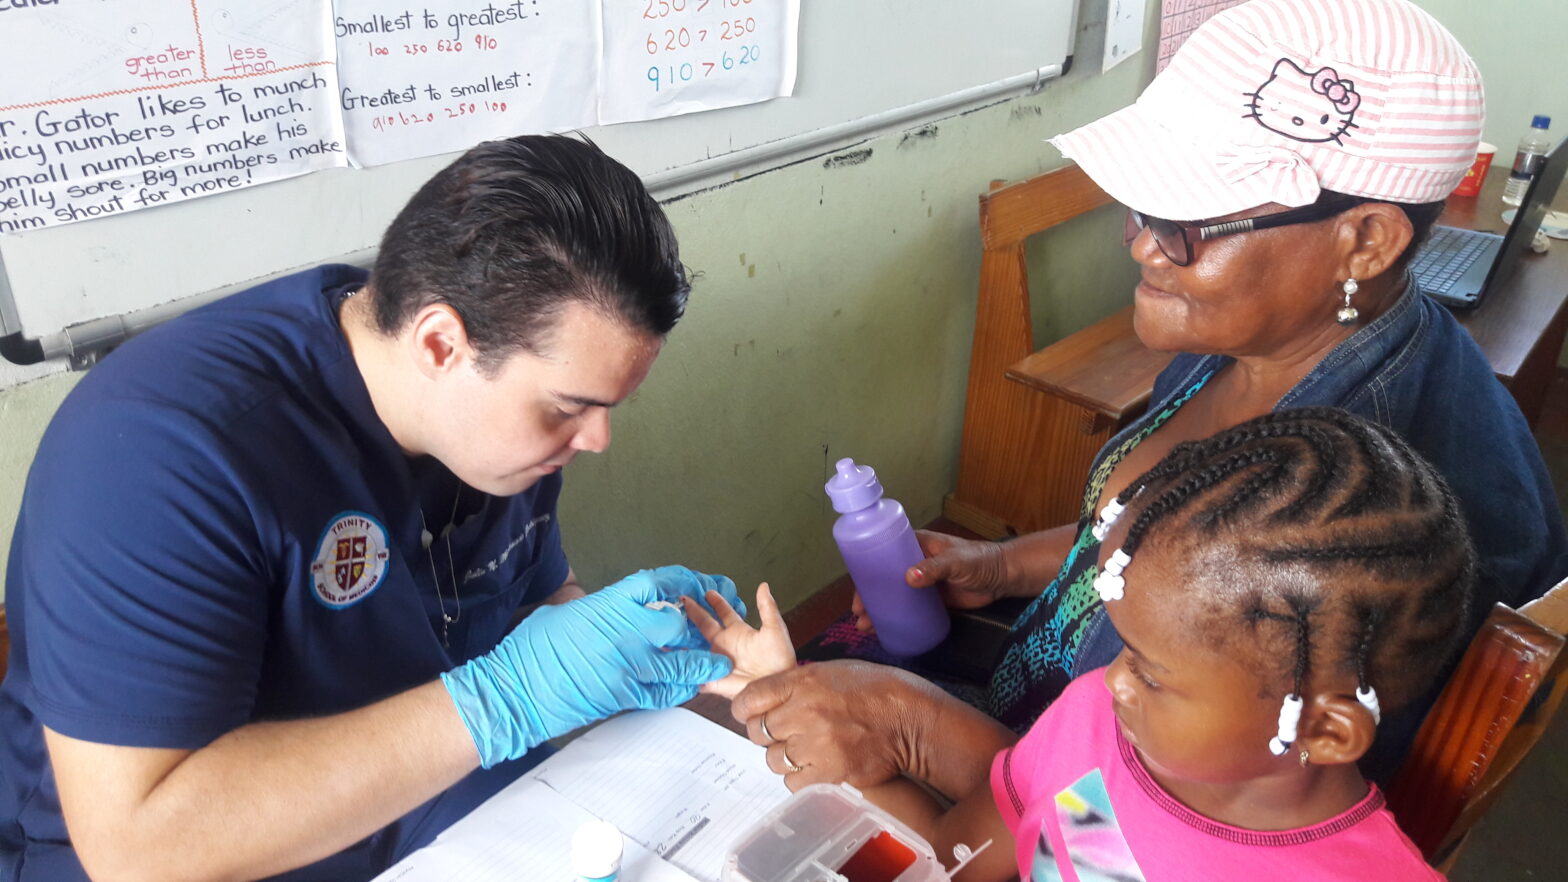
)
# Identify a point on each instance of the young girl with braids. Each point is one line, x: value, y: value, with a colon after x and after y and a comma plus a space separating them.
x: 1278, y: 587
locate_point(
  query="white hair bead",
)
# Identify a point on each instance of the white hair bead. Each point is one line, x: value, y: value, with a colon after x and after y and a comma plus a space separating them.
x: 1368, y: 699
x: 1117, y: 562
x: 1289, y: 719
x: 1108, y: 516
x: 1110, y: 586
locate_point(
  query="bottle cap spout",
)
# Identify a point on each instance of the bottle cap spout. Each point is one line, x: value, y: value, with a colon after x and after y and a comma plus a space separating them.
x: 853, y: 487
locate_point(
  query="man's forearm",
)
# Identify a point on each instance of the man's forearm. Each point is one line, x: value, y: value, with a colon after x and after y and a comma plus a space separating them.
x: 265, y: 798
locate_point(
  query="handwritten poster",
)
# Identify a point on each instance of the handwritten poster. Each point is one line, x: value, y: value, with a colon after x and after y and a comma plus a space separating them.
x: 668, y: 57
x: 1179, y: 18
x: 120, y: 106
x: 445, y: 75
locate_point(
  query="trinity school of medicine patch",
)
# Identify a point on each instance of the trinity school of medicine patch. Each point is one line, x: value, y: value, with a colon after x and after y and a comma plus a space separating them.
x: 351, y: 559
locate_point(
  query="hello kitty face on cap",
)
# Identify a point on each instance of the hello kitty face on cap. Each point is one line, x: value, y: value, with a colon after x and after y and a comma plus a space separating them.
x: 1313, y: 107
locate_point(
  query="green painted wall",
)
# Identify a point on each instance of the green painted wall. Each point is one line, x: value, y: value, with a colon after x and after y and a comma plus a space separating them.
x: 24, y: 412
x: 1518, y: 45
x: 832, y: 317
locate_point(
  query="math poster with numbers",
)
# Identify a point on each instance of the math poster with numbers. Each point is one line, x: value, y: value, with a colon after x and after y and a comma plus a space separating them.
x: 442, y: 75
x: 668, y: 57
x: 112, y: 107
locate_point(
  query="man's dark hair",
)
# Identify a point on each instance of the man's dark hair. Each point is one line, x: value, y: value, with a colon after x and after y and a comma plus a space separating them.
x: 1315, y: 541
x: 514, y: 230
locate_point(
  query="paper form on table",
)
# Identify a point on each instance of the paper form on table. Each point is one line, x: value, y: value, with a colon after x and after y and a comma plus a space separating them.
x: 678, y: 784
x: 680, y: 787
x: 523, y: 832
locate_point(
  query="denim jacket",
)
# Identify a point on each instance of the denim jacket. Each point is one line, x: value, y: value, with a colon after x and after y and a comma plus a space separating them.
x: 1415, y: 370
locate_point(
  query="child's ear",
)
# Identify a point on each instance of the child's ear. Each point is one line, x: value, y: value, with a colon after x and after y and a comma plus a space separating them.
x: 1335, y: 729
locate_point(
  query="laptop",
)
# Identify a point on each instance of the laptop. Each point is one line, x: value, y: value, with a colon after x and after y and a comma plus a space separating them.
x: 1456, y: 266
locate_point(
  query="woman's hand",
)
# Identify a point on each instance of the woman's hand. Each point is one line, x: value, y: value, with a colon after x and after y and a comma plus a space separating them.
x: 969, y: 573
x: 836, y: 721
x: 974, y: 573
x: 755, y: 652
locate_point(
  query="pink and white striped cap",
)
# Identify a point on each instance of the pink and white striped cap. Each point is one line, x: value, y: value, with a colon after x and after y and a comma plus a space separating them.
x: 1275, y: 100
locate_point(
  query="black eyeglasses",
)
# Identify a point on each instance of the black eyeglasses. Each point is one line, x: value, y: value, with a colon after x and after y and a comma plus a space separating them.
x: 1175, y: 237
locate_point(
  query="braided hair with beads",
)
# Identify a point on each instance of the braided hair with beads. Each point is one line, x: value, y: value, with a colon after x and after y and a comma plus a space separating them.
x: 1347, y: 551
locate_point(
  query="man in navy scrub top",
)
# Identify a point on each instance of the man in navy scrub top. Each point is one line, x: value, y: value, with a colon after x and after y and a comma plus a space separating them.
x: 287, y: 593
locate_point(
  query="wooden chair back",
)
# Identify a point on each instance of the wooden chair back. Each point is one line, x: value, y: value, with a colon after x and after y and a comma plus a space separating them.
x: 1033, y: 421
x: 1496, y: 706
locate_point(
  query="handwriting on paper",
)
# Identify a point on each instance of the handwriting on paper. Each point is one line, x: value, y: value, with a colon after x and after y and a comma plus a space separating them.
x: 150, y: 103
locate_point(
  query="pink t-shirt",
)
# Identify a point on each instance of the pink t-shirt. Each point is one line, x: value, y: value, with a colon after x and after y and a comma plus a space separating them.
x: 1082, y: 808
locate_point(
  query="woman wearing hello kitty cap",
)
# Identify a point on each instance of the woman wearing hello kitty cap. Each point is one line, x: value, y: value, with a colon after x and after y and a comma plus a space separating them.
x: 1278, y: 175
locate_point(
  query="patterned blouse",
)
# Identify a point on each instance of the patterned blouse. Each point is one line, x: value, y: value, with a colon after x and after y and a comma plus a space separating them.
x: 1040, y: 655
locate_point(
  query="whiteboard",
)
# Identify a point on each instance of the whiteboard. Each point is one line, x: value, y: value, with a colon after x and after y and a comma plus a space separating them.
x: 859, y: 61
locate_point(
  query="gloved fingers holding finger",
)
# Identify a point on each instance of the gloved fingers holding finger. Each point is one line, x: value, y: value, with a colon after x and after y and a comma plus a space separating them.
x: 687, y: 667
x: 678, y: 581
x: 670, y: 583
x: 664, y: 625
x: 581, y: 661
x: 662, y: 695
x: 723, y: 586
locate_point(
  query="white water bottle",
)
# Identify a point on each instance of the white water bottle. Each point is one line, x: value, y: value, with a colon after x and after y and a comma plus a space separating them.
x: 1533, y: 148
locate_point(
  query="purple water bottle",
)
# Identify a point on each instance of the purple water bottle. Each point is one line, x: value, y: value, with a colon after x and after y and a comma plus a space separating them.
x: 878, y: 545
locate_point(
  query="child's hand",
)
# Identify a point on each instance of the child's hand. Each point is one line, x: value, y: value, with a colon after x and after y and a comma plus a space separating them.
x: 756, y: 653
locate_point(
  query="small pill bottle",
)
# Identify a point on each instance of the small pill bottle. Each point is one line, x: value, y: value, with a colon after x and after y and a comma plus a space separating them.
x: 596, y: 852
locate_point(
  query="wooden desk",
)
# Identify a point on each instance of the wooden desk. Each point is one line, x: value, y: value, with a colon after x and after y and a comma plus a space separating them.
x: 1521, y: 325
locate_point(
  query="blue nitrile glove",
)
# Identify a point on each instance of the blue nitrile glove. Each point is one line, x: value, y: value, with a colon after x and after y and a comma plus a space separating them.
x: 565, y: 666
x: 672, y: 582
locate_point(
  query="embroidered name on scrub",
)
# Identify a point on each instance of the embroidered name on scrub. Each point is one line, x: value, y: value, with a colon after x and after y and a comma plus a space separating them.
x: 519, y: 539
x: 351, y: 559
